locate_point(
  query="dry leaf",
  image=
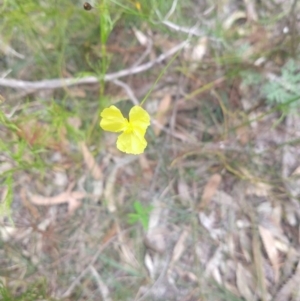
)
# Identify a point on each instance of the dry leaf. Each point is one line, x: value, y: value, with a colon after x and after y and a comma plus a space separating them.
x: 244, y: 282
x: 90, y: 162
x: 217, y: 276
x: 237, y: 15
x: 259, y: 189
x: 187, y: 275
x: 7, y: 232
x: 209, y: 222
x: 199, y: 50
x: 101, y: 284
x: 276, y: 214
x: 245, y: 244
x: 291, y: 214
x: 214, y: 262
x: 290, y: 287
x: 126, y: 252
x: 109, y: 190
x: 290, y: 159
x: 155, y: 215
x: 224, y: 199
x: 149, y: 265
x: 271, y: 250
x: 209, y: 190
x: 296, y: 172
x: 258, y: 264
x: 155, y: 238
x: 70, y: 197
x: 180, y: 246
x: 141, y: 37
x: 291, y: 260
x: 281, y: 246
x: 195, y: 53
x: 162, y: 111
x: 231, y: 288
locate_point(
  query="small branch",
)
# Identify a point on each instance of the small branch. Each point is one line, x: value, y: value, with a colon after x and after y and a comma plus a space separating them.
x: 128, y: 90
x: 66, y: 82
x: 194, y: 31
x: 145, y: 54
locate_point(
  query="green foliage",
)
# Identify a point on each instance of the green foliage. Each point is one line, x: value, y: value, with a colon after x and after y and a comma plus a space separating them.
x: 6, y: 203
x: 250, y: 77
x: 6, y: 122
x: 141, y: 214
x: 285, y: 89
x: 34, y: 292
x: 58, y: 115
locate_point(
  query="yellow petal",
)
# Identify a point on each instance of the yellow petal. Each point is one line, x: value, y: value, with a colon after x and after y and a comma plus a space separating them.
x: 113, y: 120
x: 131, y: 143
x: 139, y: 119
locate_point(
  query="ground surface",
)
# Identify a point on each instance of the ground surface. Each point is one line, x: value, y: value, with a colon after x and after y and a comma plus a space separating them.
x: 210, y: 211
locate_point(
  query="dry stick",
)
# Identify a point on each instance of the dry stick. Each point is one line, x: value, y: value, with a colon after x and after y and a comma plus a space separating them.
x: 65, y: 82
x: 145, y: 54
x: 128, y: 90
x: 194, y: 31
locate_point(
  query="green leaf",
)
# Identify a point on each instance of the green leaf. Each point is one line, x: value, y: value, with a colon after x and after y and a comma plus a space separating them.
x: 286, y: 87
x: 141, y: 214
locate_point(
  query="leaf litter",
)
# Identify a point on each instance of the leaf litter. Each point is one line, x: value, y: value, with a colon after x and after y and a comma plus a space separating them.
x: 225, y: 218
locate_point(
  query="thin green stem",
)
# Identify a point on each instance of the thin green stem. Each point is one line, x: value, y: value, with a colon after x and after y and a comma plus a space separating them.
x: 159, y: 77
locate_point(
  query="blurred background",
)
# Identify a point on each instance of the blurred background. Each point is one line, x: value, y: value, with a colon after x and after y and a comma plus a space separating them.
x: 210, y: 211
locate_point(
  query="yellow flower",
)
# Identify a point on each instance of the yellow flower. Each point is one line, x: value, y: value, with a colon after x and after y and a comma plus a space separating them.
x: 132, y: 140
x: 138, y: 5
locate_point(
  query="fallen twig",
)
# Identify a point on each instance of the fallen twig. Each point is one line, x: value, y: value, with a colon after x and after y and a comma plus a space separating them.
x: 66, y: 82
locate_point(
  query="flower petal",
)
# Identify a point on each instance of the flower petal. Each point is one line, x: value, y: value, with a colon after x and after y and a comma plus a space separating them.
x: 131, y: 143
x: 139, y: 119
x: 113, y: 120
